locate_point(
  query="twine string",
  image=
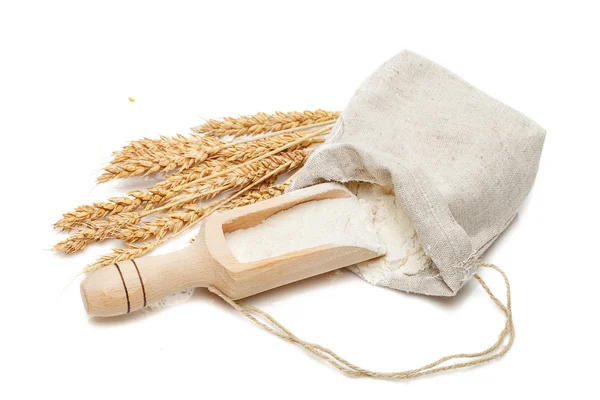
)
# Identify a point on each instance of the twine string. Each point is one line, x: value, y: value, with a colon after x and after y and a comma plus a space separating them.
x: 495, y: 351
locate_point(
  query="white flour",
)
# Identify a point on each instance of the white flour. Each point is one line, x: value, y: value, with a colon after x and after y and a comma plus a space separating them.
x: 345, y: 221
x: 405, y: 253
x: 372, y: 220
x: 172, y: 300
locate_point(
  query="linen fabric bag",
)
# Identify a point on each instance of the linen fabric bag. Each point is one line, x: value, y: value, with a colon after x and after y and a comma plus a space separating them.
x: 461, y: 163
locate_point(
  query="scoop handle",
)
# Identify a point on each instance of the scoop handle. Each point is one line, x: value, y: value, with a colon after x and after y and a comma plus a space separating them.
x: 129, y: 285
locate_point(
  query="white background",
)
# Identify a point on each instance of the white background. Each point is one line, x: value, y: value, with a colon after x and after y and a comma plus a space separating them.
x: 66, y: 72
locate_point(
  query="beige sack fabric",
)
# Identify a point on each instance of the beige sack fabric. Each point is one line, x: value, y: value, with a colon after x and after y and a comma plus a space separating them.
x: 461, y: 162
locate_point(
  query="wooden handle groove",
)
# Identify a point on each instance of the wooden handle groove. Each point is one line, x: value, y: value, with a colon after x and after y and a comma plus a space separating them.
x: 124, y: 287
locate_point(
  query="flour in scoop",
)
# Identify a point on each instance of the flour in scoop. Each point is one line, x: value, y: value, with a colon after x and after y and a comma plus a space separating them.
x: 374, y: 219
x: 343, y: 221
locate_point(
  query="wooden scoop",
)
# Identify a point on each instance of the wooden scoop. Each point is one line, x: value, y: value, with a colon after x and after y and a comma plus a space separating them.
x: 131, y: 285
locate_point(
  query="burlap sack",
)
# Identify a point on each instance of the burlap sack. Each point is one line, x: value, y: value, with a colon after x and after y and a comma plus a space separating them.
x: 461, y: 162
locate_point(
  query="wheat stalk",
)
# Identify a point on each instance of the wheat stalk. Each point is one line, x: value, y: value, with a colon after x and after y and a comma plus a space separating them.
x: 262, y: 122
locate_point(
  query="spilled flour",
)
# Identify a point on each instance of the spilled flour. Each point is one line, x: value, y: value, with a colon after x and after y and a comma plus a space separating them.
x: 172, y: 300
x: 345, y: 221
x: 373, y: 219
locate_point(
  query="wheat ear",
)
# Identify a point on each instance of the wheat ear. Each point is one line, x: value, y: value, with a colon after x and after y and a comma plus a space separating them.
x: 150, y: 156
x: 262, y: 122
x: 124, y: 226
x: 165, y: 190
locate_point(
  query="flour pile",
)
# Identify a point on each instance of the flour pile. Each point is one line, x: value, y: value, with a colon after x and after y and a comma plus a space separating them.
x: 344, y: 221
x: 372, y: 220
x: 405, y: 252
